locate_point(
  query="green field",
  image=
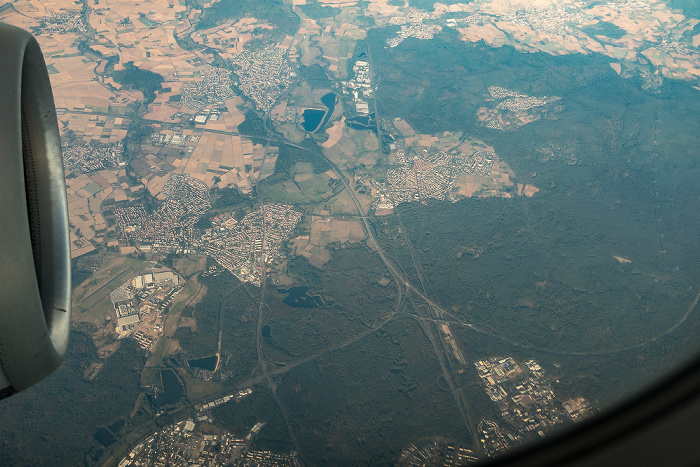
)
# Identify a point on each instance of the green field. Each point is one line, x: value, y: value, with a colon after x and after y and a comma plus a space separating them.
x: 188, y: 266
x: 102, y: 293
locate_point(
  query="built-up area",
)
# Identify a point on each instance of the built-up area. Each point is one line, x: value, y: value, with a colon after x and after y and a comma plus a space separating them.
x: 524, y: 397
x: 436, y: 167
x: 412, y: 25
x: 428, y: 173
x: 437, y: 453
x: 192, y: 442
x: 244, y: 247
x: 513, y: 110
x: 58, y: 22
x: 556, y: 19
x: 360, y: 87
x: 264, y: 75
x: 139, y: 304
x: 203, y: 408
x: 81, y: 157
x: 213, y: 88
x: 171, y: 227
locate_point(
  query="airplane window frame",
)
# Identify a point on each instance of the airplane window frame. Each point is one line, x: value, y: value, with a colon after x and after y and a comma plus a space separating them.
x: 668, y: 401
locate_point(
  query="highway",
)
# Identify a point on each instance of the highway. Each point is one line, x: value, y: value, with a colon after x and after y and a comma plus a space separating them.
x: 403, y: 287
x: 415, y: 296
x: 262, y: 363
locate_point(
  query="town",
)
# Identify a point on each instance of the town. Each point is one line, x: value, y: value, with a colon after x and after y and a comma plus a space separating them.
x: 552, y: 19
x: 198, y: 443
x: 171, y: 227
x: 426, y: 173
x: 441, y: 167
x: 265, y: 74
x: 524, y: 397
x: 213, y: 88
x: 244, y: 247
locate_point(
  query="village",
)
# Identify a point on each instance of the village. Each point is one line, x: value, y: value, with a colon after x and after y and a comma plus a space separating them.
x: 80, y: 157
x: 514, y: 109
x: 412, y: 25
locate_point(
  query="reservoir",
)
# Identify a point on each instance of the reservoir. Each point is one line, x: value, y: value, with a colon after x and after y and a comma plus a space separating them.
x: 362, y: 122
x: 297, y: 298
x: 312, y: 119
x: 172, y: 388
x: 329, y: 101
x: 315, y: 118
x: 206, y: 363
x: 104, y: 437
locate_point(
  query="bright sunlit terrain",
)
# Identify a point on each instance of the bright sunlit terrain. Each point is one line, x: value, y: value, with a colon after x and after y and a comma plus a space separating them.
x: 388, y: 232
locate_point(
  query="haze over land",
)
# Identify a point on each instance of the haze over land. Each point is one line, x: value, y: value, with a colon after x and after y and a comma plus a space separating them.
x: 364, y: 232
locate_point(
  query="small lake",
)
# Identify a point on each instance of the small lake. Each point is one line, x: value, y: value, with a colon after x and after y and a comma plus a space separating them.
x: 329, y: 101
x: 206, y: 363
x: 315, y: 118
x: 172, y: 388
x: 362, y: 122
x: 312, y: 119
x: 104, y: 437
x: 297, y: 297
x: 116, y: 426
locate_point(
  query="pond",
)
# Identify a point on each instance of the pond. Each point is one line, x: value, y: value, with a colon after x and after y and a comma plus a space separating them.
x: 172, y: 388
x: 312, y: 119
x: 316, y: 118
x: 362, y: 122
x: 104, y: 437
x: 298, y: 298
x: 205, y: 363
x: 329, y: 101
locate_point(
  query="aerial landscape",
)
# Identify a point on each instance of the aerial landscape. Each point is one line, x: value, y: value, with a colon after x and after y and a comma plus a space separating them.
x: 342, y: 232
